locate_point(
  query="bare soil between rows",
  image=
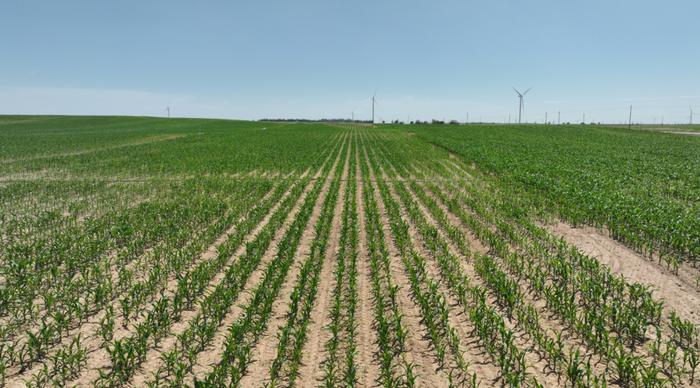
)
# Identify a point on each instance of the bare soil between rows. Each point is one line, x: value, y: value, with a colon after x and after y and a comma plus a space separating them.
x: 676, y: 293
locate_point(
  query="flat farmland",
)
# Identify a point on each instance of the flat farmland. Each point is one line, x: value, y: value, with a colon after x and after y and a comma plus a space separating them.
x: 189, y: 252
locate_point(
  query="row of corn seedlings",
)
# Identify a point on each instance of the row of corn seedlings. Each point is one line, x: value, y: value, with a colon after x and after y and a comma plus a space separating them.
x: 623, y: 367
x: 75, y: 307
x: 394, y: 369
x: 506, y: 291
x: 245, y: 332
x: 597, y: 289
x: 339, y: 371
x: 292, y: 337
x: 179, y: 361
x: 432, y: 303
x: 127, y: 353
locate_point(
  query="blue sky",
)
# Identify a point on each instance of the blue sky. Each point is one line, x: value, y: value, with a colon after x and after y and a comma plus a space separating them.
x: 325, y: 58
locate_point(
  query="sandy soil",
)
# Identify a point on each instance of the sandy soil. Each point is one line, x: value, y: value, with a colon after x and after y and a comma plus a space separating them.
x: 483, y: 366
x: 419, y: 353
x: 368, y: 373
x: 689, y: 133
x: 208, y: 359
x: 472, y: 353
x: 548, y: 325
x: 97, y: 356
x: 311, y: 370
x: 572, y: 340
x: 153, y: 360
x: 266, y: 350
x: 676, y: 294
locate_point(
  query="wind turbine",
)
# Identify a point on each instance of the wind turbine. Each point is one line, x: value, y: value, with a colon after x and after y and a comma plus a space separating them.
x: 373, y: 102
x: 521, y: 107
x: 691, y: 115
x: 629, y: 122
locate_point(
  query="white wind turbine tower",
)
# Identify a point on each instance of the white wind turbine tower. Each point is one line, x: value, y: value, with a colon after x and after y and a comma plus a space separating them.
x: 691, y: 115
x: 521, y: 107
x: 373, y: 102
x: 167, y: 109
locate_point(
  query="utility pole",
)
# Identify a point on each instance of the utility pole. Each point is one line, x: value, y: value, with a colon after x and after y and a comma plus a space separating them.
x: 629, y: 122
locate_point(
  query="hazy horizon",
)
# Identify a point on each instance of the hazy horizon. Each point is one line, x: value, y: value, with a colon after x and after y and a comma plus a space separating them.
x: 313, y: 59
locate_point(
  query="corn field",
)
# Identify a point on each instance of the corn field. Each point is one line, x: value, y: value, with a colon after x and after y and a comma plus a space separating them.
x: 206, y: 253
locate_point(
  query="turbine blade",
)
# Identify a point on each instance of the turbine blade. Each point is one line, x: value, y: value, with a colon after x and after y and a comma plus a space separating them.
x: 516, y: 90
x: 527, y: 90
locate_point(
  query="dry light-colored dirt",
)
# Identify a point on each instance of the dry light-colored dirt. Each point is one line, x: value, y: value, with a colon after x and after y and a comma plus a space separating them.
x: 673, y: 290
x: 427, y: 211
